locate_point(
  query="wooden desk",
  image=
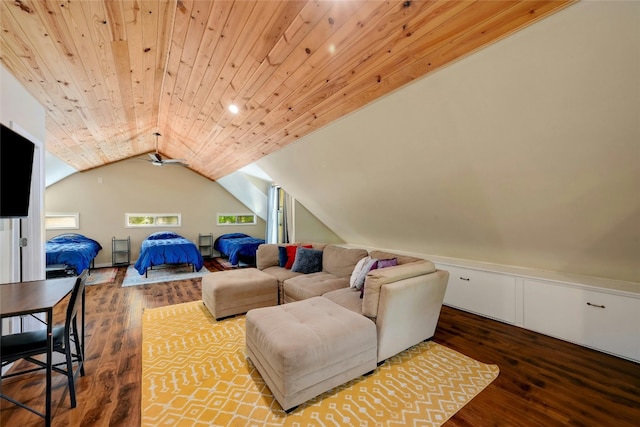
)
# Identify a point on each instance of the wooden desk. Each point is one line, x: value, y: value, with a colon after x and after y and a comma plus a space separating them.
x: 40, y: 296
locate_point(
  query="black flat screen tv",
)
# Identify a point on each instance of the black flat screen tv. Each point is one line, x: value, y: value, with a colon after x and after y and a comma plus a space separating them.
x: 16, y: 166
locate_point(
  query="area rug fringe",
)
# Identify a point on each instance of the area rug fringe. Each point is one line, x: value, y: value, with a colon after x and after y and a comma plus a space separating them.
x: 195, y: 373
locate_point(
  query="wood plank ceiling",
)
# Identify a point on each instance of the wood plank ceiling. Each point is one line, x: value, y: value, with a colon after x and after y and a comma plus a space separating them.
x: 111, y: 73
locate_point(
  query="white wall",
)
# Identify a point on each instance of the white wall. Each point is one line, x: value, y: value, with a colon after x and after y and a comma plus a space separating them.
x: 20, y: 111
x: 525, y: 153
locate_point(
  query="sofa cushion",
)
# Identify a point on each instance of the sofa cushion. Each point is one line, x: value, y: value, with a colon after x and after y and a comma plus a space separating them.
x: 307, y: 261
x: 281, y: 273
x: 266, y: 256
x: 341, y: 261
x: 346, y: 297
x: 377, y: 278
x: 319, y: 246
x: 311, y: 285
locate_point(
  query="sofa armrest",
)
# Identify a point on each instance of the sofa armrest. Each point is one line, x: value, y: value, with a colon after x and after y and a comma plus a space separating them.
x: 376, y: 278
x: 267, y: 256
x: 409, y: 312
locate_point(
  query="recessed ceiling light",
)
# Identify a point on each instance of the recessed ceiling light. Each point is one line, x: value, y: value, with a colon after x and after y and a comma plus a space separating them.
x: 234, y: 108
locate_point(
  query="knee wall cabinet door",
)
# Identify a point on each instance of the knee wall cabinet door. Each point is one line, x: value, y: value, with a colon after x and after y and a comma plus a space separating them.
x: 481, y: 292
x: 600, y: 320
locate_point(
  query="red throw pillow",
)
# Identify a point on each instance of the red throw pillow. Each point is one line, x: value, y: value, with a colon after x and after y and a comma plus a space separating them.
x: 291, y: 254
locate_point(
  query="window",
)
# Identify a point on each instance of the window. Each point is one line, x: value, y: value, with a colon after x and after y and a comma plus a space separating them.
x: 61, y: 221
x: 153, y: 220
x: 236, y: 219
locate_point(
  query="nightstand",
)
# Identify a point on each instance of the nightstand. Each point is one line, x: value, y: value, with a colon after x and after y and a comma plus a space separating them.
x: 205, y: 244
x: 120, y: 251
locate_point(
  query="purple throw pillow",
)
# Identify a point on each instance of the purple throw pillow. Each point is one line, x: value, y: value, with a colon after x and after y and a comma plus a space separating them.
x: 381, y: 263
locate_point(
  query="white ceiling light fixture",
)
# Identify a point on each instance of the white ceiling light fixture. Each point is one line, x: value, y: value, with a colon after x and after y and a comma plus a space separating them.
x: 234, y: 108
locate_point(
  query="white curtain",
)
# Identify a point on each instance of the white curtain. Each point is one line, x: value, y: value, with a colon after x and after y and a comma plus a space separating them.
x: 287, y: 217
x: 272, y: 215
x: 279, y: 216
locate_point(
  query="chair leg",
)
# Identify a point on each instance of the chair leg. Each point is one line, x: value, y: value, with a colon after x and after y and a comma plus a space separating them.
x: 80, y: 356
x: 70, y: 376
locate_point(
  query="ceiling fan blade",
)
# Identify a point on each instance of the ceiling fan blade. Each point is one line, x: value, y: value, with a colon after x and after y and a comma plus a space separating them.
x: 155, y: 157
x: 174, y: 161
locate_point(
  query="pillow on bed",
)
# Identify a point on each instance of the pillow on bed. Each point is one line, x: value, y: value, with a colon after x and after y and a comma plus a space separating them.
x: 68, y: 238
x: 307, y: 261
x: 160, y: 235
x: 232, y: 236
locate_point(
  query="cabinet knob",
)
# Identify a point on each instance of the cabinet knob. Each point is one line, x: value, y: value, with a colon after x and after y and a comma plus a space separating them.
x: 595, y: 305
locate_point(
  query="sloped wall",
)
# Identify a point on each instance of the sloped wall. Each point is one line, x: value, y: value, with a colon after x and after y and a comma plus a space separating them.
x: 525, y: 153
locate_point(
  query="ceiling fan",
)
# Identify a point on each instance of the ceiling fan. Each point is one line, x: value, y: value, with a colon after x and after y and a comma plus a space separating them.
x: 157, y: 160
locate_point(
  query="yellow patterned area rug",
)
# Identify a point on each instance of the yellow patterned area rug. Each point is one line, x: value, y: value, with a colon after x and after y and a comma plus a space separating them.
x: 195, y: 373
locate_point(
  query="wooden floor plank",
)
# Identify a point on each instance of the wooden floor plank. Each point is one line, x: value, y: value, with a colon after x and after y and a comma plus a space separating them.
x: 543, y: 381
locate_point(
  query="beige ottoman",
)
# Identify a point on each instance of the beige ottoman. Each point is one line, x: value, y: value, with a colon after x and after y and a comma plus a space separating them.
x: 230, y: 292
x: 304, y: 348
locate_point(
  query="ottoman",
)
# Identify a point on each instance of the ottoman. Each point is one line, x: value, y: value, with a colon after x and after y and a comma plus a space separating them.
x: 226, y: 293
x: 304, y: 348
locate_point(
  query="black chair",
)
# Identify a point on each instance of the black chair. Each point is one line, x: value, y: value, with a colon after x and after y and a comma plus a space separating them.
x: 28, y: 345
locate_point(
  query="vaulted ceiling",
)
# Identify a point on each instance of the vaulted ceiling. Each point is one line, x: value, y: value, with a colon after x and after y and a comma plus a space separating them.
x: 112, y: 73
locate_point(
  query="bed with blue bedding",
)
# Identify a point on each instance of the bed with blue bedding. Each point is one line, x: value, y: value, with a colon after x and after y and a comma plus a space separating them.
x: 238, y: 247
x: 167, y: 248
x: 73, y: 251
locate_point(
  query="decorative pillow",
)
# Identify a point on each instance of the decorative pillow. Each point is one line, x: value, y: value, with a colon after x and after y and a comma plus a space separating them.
x: 307, y: 261
x: 359, y: 282
x: 282, y: 256
x: 161, y: 235
x: 382, y: 263
x: 291, y: 254
x: 356, y: 271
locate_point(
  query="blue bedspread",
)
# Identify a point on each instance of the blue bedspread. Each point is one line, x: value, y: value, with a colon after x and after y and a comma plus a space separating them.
x: 167, y: 248
x: 236, y: 245
x: 73, y: 250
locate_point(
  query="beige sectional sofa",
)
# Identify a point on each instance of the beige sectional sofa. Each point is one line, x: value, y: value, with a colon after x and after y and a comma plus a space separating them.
x: 337, y: 265
x: 403, y: 301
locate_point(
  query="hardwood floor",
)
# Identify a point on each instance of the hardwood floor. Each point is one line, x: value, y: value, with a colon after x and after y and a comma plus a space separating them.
x: 542, y: 381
